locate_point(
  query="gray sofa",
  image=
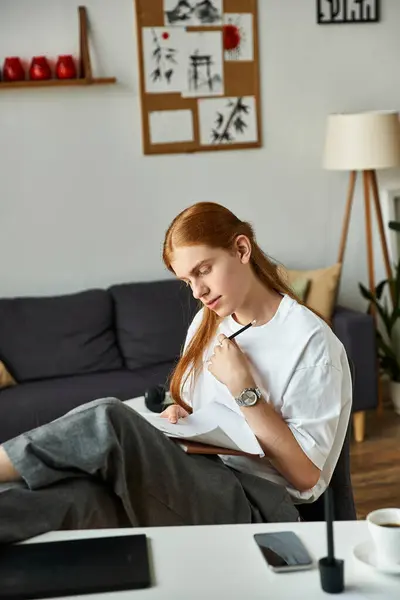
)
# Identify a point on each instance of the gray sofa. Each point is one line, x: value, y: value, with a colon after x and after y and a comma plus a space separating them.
x: 67, y: 350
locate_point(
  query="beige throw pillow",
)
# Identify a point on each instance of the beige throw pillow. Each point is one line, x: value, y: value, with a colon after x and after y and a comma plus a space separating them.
x: 6, y: 379
x: 321, y: 295
x: 301, y: 287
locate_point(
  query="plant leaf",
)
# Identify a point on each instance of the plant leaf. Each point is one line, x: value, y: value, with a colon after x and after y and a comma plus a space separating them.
x: 388, y: 360
x: 380, y: 287
x: 394, y: 317
x: 157, y: 52
x: 171, y: 58
x: 397, y: 286
x: 381, y: 310
x: 365, y: 292
x: 386, y: 348
x: 395, y: 225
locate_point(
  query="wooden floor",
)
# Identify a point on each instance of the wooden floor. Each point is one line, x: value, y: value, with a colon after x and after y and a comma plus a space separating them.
x: 375, y: 464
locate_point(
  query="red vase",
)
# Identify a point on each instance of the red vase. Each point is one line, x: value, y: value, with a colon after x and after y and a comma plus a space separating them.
x: 13, y: 69
x: 39, y: 69
x: 65, y: 67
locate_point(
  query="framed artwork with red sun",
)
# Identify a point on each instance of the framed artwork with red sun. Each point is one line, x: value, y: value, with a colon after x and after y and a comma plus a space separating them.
x: 199, y: 75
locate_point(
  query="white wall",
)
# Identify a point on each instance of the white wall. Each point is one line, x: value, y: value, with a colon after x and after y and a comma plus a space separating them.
x: 79, y: 204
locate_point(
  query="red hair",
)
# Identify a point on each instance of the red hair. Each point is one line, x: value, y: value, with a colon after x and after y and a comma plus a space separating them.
x: 210, y: 224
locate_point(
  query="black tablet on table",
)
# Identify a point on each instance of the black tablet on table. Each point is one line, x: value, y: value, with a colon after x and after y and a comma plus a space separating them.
x: 72, y: 567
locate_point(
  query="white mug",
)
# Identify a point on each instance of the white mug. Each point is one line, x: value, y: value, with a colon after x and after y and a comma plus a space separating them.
x: 386, y: 539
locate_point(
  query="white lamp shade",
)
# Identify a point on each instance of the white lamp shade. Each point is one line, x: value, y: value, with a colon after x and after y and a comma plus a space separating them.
x: 357, y: 142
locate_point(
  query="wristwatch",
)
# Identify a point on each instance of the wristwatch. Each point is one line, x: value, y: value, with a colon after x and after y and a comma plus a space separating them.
x: 249, y: 397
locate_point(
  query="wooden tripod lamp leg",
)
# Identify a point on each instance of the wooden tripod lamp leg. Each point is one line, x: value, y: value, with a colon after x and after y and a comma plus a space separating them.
x: 375, y: 194
x: 86, y: 67
x: 359, y: 426
x: 368, y: 232
x: 347, y: 214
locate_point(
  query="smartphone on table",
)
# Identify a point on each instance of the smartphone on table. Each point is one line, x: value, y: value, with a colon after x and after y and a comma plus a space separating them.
x: 284, y: 551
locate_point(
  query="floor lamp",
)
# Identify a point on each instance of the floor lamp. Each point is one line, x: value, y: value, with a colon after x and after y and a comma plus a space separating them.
x: 364, y: 143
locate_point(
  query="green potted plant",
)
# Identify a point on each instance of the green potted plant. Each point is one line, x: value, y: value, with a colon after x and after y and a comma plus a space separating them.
x: 388, y: 318
x: 395, y: 225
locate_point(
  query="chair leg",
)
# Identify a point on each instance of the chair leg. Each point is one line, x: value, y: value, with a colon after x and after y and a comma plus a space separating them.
x: 359, y: 426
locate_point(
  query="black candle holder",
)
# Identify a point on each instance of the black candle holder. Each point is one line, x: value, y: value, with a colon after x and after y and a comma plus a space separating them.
x: 331, y: 569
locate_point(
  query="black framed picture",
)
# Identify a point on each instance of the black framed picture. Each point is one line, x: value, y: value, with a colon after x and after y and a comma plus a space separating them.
x: 330, y: 12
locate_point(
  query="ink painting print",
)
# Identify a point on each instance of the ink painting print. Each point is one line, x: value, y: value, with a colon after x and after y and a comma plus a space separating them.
x: 238, y: 37
x: 205, y: 66
x: 164, y: 59
x: 193, y: 13
x: 228, y: 121
x: 171, y: 126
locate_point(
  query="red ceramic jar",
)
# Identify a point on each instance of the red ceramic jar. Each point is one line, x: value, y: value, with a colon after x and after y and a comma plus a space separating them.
x: 65, y: 67
x: 39, y: 69
x: 13, y: 69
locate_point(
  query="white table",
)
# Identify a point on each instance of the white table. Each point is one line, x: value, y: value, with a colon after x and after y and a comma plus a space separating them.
x: 223, y: 562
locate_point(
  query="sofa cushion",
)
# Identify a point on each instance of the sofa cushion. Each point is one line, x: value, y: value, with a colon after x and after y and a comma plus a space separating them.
x: 31, y: 404
x: 55, y: 336
x: 152, y: 320
x: 301, y: 286
x: 323, y: 287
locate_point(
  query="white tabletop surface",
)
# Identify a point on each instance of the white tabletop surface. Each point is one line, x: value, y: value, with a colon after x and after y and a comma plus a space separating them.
x: 224, y: 562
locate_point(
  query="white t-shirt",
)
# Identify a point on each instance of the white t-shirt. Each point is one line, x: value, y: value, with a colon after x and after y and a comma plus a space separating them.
x: 302, y: 369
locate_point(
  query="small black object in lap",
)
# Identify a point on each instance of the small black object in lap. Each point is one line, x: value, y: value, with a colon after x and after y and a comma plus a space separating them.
x: 154, y: 398
x: 73, y: 567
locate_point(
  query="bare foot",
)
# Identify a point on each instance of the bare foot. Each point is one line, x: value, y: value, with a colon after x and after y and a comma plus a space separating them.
x: 7, y: 471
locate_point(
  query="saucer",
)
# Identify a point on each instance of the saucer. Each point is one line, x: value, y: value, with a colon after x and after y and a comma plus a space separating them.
x: 365, y: 553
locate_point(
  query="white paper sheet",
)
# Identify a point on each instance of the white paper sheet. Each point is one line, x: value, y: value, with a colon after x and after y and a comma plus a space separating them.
x: 171, y: 126
x: 185, y: 13
x: 164, y: 59
x: 227, y: 121
x: 204, y: 64
x: 242, y: 34
x: 216, y: 425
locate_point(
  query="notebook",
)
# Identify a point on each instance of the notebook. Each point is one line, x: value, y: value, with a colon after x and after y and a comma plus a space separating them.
x: 214, y: 429
x: 198, y: 448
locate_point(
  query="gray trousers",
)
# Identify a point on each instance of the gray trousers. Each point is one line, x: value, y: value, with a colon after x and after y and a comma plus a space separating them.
x: 103, y: 465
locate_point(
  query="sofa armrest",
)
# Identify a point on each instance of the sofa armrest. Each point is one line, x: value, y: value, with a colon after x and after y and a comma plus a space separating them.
x: 356, y: 331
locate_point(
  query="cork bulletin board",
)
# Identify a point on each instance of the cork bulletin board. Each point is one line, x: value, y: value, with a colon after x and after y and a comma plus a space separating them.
x: 199, y: 75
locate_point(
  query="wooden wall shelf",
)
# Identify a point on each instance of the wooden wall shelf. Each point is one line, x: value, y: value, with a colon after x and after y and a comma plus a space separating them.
x: 57, y: 82
x: 85, y: 67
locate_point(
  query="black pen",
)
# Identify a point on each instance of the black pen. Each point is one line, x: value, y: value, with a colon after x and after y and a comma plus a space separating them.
x: 231, y: 337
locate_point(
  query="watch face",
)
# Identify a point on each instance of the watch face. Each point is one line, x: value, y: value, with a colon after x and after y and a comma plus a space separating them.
x: 250, y: 397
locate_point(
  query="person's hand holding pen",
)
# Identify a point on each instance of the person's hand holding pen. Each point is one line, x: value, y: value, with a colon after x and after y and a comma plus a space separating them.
x: 228, y: 364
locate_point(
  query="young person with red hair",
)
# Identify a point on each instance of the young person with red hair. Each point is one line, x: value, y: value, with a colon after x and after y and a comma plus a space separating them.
x: 287, y: 375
